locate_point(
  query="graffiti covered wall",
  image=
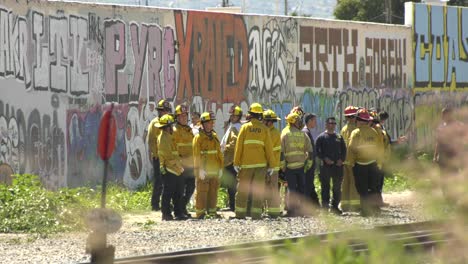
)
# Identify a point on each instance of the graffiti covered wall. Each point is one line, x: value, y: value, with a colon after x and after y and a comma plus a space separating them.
x: 440, y: 64
x: 440, y: 48
x: 61, y: 64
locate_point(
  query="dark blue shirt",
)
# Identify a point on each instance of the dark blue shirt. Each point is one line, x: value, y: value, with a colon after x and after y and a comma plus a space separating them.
x: 330, y: 146
x: 307, y: 132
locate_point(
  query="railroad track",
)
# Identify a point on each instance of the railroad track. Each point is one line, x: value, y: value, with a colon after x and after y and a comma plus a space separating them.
x: 414, y: 237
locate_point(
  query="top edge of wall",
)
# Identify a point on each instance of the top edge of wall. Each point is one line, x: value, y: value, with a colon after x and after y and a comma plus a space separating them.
x: 130, y: 6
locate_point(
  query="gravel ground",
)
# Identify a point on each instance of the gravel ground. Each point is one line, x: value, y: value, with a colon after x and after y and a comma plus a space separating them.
x: 146, y: 233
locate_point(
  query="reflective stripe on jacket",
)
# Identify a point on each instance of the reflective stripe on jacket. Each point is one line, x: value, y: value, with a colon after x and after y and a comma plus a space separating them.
x: 183, y: 138
x: 207, y: 153
x: 276, y: 142
x: 153, y: 134
x: 254, y: 148
x: 295, y: 146
x: 168, y: 155
x: 364, y: 146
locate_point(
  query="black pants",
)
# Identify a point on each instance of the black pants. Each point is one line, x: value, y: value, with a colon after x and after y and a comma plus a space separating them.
x: 335, y: 174
x: 381, y: 179
x: 229, y: 181
x: 366, y: 178
x: 296, y: 184
x: 157, y: 185
x: 172, y: 190
x: 189, y: 186
x: 309, y: 191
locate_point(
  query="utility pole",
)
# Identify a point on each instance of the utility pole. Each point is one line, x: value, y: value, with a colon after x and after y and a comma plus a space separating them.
x: 388, y: 11
x: 285, y: 7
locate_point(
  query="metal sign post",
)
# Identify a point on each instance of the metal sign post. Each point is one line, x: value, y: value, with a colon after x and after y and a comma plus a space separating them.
x: 103, y: 221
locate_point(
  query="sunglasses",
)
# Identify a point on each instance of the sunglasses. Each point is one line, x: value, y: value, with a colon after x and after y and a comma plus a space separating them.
x: 332, y: 123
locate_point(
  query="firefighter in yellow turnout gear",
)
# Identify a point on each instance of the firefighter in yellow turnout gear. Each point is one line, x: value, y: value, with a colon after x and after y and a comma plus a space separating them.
x: 364, y: 154
x: 297, y: 156
x: 171, y: 169
x: 253, y: 159
x: 163, y: 108
x: 208, y: 167
x: 272, y: 199
x: 350, y: 200
x: 183, y: 137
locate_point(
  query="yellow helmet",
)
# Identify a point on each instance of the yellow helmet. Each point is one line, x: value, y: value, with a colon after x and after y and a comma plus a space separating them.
x: 292, y: 118
x: 181, y: 109
x: 165, y: 120
x: 298, y: 110
x: 270, y: 115
x: 235, y: 110
x: 256, y: 108
x: 207, y: 116
x: 164, y: 105
x: 375, y: 116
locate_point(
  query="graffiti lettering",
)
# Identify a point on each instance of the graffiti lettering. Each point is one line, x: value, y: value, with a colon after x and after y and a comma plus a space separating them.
x: 266, y: 64
x: 34, y: 143
x: 322, y: 50
x: 148, y: 52
x: 212, y: 50
x: 385, y: 59
x: 398, y: 105
x: 45, y: 52
x: 82, y: 128
x: 441, y: 54
x: 79, y: 72
x: 329, y: 58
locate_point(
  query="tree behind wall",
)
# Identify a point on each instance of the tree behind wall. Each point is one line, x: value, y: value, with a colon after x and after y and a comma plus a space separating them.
x: 374, y: 10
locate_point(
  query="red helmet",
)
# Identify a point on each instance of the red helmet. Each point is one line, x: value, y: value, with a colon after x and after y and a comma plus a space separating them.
x: 363, y: 115
x: 350, y: 110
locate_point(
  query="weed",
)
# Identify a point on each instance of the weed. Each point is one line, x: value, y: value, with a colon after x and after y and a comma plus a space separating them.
x: 27, y: 207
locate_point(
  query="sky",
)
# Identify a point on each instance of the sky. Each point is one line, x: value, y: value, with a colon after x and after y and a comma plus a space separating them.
x: 313, y: 8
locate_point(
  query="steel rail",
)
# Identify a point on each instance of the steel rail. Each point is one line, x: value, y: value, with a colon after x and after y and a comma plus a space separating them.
x: 412, y: 237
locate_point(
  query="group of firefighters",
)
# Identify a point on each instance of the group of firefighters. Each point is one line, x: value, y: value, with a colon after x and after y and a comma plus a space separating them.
x: 254, y: 159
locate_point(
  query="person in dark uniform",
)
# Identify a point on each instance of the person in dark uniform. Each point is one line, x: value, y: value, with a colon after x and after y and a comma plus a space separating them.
x: 331, y: 150
x: 310, y: 121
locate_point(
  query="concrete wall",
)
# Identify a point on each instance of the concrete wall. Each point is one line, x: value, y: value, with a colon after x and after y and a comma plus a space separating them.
x: 61, y: 64
x: 440, y: 63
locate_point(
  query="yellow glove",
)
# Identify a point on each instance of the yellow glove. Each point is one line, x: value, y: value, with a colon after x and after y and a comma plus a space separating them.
x: 162, y: 170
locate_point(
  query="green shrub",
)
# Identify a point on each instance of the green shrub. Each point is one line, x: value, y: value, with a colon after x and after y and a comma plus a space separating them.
x: 396, y: 182
x: 26, y: 206
x: 223, y: 198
